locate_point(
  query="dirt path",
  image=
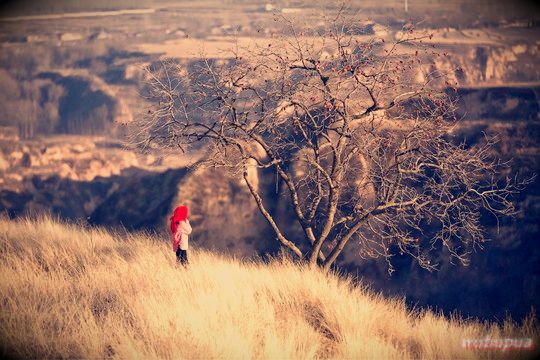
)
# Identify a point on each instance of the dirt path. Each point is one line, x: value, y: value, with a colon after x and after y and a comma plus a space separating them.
x: 79, y: 15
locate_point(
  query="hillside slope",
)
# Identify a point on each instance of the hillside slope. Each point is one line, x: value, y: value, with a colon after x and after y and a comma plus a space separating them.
x: 72, y: 292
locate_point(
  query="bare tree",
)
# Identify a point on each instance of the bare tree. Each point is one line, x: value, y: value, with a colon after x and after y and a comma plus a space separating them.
x: 359, y: 136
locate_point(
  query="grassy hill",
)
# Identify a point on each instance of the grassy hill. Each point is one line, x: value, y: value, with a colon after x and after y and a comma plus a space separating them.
x: 68, y: 292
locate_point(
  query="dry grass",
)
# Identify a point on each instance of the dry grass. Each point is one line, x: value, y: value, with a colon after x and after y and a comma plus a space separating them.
x: 67, y: 292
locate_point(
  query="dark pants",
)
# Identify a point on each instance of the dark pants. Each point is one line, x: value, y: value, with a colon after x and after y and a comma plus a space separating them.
x: 181, y: 256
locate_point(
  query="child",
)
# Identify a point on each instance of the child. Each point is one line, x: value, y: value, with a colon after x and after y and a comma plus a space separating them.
x: 180, y: 229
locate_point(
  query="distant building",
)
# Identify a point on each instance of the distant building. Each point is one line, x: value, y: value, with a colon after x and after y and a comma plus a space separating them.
x: 37, y: 38
x: 68, y: 36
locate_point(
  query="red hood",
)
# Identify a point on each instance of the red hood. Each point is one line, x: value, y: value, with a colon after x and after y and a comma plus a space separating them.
x: 179, y: 214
